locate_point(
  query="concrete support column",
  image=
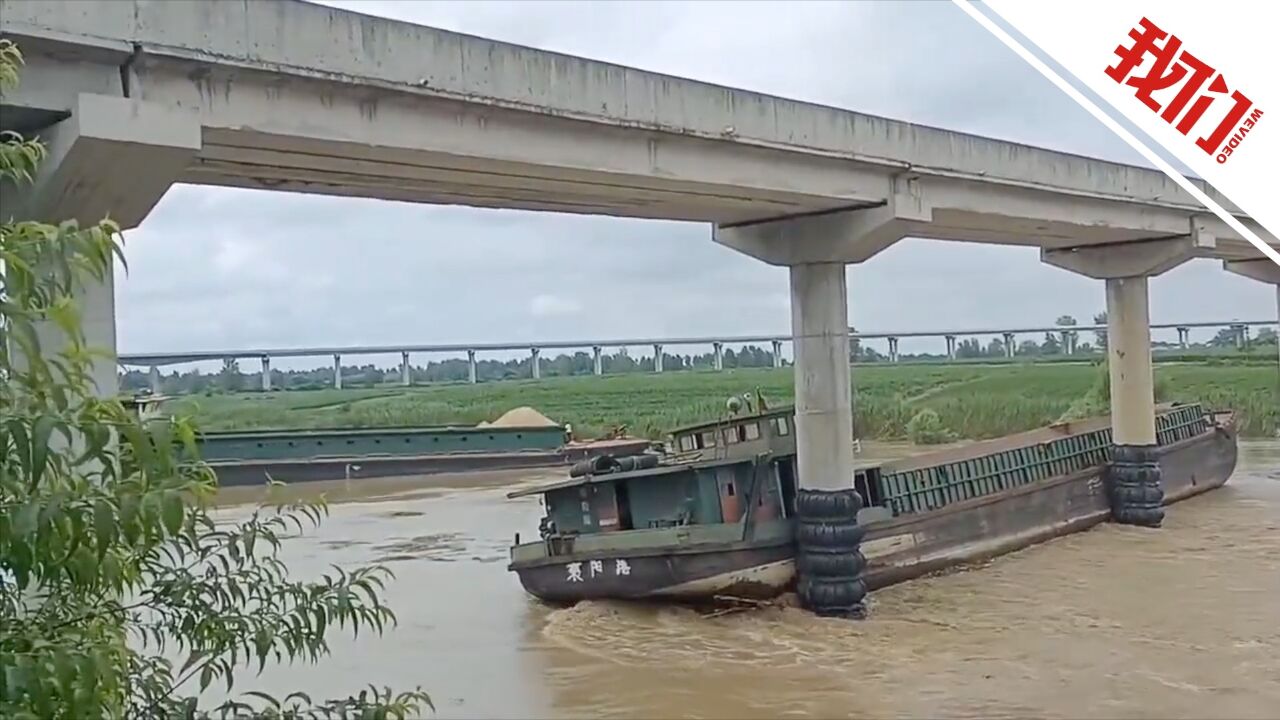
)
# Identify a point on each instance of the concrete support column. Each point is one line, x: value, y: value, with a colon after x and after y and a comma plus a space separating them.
x: 1184, y: 337
x: 824, y: 407
x: 777, y: 353
x: 471, y: 366
x: 154, y: 377
x: 1134, y: 476
x: 535, y: 363
x: 406, y: 377
x: 1241, y: 337
x: 1010, y: 348
x: 717, y: 358
x: 1065, y: 336
x: 266, y: 373
x: 657, y: 358
x: 951, y: 347
x: 597, y: 362
x: 337, y: 371
x: 893, y: 349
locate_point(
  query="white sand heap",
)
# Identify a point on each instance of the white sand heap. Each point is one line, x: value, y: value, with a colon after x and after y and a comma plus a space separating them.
x: 523, y: 417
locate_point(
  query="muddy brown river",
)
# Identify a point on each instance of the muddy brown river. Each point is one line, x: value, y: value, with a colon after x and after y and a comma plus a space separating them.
x: 1114, y: 622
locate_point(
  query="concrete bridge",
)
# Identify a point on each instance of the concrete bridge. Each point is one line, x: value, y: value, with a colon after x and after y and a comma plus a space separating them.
x: 1067, y: 333
x: 132, y: 96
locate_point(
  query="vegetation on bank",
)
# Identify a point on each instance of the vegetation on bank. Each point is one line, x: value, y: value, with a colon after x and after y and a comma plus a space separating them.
x: 970, y: 401
x: 111, y: 563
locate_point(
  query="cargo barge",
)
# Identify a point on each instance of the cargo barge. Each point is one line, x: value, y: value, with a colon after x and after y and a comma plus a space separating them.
x: 715, y: 515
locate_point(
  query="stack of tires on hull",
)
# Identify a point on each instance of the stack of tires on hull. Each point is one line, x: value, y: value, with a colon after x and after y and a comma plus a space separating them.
x: 829, y: 560
x: 1134, y: 486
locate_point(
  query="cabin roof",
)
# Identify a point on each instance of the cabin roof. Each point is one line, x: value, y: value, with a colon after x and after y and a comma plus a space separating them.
x: 613, y: 477
x: 712, y: 424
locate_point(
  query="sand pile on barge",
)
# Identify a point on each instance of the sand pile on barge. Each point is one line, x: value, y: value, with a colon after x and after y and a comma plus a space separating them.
x: 523, y: 417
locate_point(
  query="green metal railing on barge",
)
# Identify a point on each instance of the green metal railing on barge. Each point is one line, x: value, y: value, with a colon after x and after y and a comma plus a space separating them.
x: 923, y: 489
x: 228, y: 447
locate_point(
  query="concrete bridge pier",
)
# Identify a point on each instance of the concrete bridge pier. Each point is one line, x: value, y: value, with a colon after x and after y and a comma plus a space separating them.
x: 816, y: 249
x: 154, y: 377
x: 657, y: 358
x: 471, y: 366
x: 406, y: 377
x: 597, y: 362
x: 337, y: 371
x: 777, y: 353
x: 1184, y: 336
x: 266, y: 373
x: 1133, y: 479
x: 1010, y: 349
x: 535, y: 363
x: 1262, y: 270
x: 1241, y: 336
x: 951, y: 347
x: 1068, y: 338
x: 893, y: 349
x: 717, y: 357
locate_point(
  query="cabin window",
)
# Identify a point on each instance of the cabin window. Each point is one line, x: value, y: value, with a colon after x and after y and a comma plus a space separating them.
x: 686, y: 443
x: 751, y: 431
x: 731, y: 435
x: 708, y: 439
x: 781, y: 426
x: 728, y: 489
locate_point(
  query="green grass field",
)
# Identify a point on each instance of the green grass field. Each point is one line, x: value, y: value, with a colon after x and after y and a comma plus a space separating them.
x: 973, y: 401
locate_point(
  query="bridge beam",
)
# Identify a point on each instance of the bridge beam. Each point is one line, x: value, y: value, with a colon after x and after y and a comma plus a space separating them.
x: 266, y: 373
x: 1134, y: 476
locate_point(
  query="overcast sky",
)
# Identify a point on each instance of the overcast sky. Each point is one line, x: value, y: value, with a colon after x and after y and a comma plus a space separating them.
x: 222, y: 268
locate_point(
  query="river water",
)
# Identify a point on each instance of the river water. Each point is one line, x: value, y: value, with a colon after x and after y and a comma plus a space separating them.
x: 1114, y: 622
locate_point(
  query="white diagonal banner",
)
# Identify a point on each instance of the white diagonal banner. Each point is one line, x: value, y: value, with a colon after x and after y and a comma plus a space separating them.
x: 1201, y: 87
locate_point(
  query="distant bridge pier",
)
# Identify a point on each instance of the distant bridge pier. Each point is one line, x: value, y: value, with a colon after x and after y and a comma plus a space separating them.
x: 535, y: 362
x: 337, y: 371
x: 657, y: 358
x: 471, y: 366
x: 156, y: 385
x: 597, y: 362
x: 1010, y: 349
x: 1068, y: 342
x: 406, y: 376
x: 717, y: 357
x: 1241, y: 336
x: 951, y: 347
x: 893, y: 349
x: 266, y: 373
x: 1262, y: 270
x: 1133, y: 478
x: 1184, y: 337
x: 777, y: 353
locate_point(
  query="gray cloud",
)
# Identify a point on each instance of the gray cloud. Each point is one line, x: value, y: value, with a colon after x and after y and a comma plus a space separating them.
x: 216, y: 267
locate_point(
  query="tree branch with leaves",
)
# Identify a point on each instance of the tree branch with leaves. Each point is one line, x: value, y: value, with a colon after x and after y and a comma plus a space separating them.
x: 110, y: 560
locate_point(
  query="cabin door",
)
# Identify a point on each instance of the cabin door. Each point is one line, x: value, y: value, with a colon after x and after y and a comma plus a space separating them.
x: 787, y: 482
x: 730, y: 495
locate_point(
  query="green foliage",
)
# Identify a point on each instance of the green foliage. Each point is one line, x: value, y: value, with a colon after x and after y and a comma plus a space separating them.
x: 926, y: 428
x: 110, y: 561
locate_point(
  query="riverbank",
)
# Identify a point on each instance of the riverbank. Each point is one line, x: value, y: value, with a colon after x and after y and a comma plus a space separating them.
x: 971, y: 401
